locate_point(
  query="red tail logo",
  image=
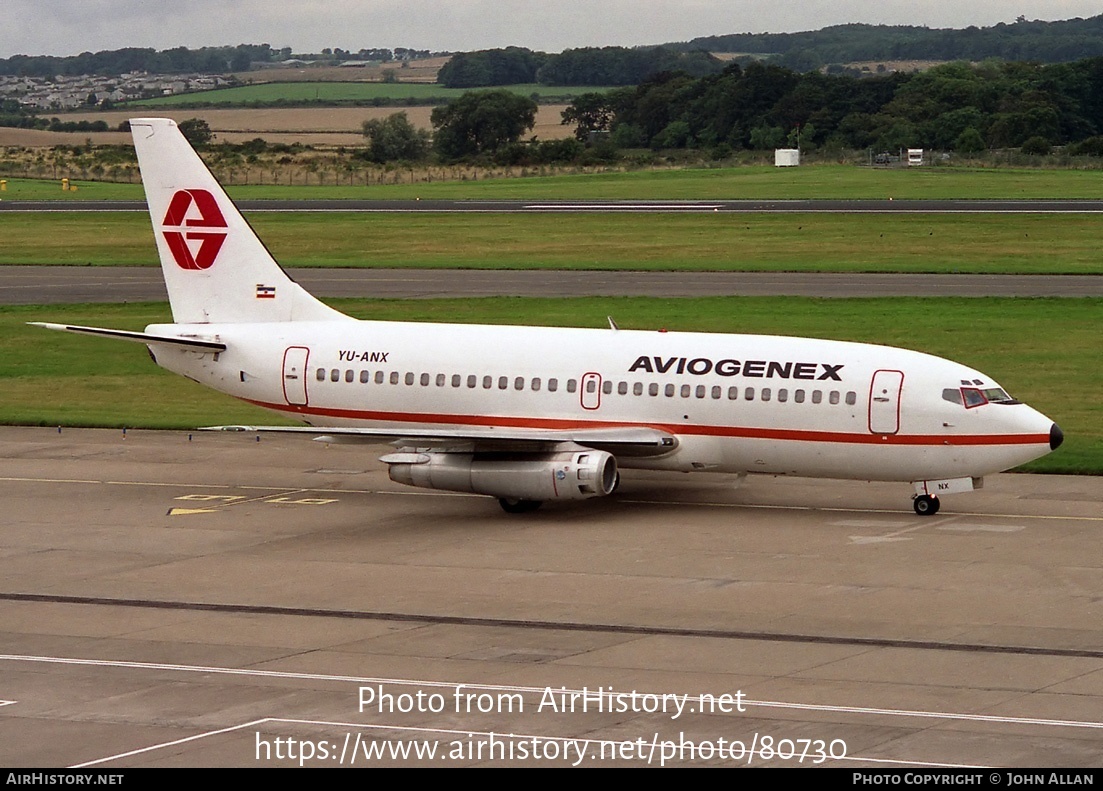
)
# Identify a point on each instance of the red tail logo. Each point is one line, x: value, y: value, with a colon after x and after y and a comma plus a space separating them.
x: 210, y: 216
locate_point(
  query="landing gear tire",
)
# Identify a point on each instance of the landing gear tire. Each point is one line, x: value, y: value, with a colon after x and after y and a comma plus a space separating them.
x: 925, y: 505
x: 514, y: 506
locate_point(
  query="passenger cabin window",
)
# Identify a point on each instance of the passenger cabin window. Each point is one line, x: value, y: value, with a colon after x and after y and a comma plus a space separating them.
x: 851, y: 398
x: 394, y: 377
x: 379, y: 377
x: 321, y: 374
x: 553, y: 385
x: 536, y: 383
x: 572, y: 385
x: 365, y: 377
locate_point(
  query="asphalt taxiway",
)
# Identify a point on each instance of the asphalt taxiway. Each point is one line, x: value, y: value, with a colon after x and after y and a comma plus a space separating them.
x: 213, y: 600
x: 41, y: 285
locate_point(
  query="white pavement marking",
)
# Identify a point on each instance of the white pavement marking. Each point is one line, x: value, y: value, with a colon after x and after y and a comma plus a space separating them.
x: 427, y: 683
x: 469, y: 736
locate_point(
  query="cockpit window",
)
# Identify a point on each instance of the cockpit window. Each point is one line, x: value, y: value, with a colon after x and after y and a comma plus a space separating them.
x: 978, y: 396
x: 973, y: 397
x: 997, y: 395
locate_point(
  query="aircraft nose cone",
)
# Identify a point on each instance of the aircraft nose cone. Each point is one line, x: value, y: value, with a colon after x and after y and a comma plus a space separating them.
x: 1056, y: 437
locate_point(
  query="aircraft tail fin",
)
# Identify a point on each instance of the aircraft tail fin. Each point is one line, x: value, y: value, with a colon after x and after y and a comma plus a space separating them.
x: 216, y: 268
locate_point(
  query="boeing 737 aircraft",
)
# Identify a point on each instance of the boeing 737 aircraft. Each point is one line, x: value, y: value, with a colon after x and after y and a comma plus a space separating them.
x: 528, y: 414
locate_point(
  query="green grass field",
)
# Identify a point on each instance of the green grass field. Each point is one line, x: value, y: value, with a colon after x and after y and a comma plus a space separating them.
x: 1044, y: 351
x: 843, y: 182
x: 340, y: 92
x: 948, y: 243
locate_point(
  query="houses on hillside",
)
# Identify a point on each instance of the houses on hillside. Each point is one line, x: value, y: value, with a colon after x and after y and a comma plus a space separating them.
x: 73, y: 92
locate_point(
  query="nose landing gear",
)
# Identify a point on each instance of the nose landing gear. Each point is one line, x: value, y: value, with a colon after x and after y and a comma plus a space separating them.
x: 925, y: 505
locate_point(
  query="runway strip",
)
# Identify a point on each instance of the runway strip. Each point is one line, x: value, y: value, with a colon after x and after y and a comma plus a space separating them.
x: 41, y: 285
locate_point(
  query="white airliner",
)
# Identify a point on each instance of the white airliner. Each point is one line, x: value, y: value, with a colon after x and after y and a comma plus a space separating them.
x: 528, y: 414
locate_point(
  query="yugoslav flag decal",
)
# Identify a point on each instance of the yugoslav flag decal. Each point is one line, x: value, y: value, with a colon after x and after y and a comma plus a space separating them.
x: 177, y: 229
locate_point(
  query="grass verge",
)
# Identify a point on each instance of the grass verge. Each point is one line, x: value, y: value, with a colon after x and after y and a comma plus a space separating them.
x: 827, y: 181
x: 715, y: 241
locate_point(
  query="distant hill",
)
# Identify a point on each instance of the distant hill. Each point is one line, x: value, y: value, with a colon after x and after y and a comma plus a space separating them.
x: 1044, y: 42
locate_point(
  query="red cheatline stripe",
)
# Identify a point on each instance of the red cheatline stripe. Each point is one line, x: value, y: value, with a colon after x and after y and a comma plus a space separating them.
x: 746, y: 432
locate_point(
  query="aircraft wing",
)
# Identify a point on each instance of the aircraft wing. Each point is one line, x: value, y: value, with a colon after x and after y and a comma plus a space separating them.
x: 629, y: 441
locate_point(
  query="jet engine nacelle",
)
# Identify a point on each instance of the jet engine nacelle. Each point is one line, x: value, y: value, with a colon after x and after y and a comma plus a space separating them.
x: 563, y: 475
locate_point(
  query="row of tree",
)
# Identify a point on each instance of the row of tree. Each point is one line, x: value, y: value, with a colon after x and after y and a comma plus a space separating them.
x: 181, y: 60
x: 1046, y: 42
x: 954, y: 106
x: 584, y: 66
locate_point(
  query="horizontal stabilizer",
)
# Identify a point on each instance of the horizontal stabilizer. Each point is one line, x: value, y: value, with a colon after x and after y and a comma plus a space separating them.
x: 137, y: 337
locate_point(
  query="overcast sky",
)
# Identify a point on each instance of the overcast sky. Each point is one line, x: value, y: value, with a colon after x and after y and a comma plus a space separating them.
x: 67, y: 27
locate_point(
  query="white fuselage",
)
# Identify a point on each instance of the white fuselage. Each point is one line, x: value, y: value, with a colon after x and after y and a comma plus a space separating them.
x: 736, y: 403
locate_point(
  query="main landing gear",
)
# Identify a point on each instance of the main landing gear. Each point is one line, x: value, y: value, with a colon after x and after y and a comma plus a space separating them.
x: 925, y: 505
x: 514, y: 506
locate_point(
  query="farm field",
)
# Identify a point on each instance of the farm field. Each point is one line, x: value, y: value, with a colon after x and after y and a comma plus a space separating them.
x: 320, y: 92
x: 419, y: 70
x: 1044, y: 351
x: 334, y: 126
x: 948, y: 243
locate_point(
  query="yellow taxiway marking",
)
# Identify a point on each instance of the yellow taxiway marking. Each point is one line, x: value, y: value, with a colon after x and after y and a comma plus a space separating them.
x: 224, y: 501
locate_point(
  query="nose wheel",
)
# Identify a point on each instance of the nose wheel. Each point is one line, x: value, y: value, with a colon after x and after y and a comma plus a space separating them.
x: 925, y: 505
